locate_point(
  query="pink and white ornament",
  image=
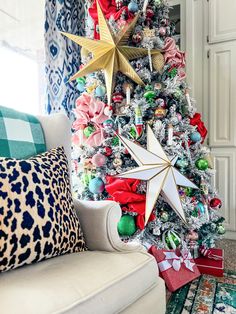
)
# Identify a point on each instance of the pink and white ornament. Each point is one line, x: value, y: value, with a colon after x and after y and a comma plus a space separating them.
x: 98, y: 160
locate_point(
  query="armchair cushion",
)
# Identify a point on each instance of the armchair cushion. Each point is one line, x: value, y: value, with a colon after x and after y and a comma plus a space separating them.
x: 37, y: 217
x: 87, y: 283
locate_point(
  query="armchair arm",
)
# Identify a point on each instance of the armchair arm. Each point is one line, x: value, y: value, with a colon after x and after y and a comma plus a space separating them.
x: 99, y: 221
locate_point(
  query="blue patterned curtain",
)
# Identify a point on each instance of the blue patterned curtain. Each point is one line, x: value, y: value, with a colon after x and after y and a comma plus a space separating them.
x: 62, y: 55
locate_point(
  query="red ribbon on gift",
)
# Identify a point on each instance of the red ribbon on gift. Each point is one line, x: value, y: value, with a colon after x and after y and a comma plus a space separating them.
x: 207, y: 253
x: 124, y: 191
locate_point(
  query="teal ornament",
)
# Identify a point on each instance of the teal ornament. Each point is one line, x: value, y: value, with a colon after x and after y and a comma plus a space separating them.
x: 201, y: 164
x: 81, y: 84
x: 126, y: 226
x: 200, y: 208
x: 182, y: 163
x: 81, y: 87
x: 133, y: 6
x: 195, y: 137
x: 89, y: 130
x: 96, y: 186
x: 108, y: 124
x: 100, y: 91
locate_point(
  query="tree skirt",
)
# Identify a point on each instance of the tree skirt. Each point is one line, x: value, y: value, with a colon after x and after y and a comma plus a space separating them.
x: 205, y: 295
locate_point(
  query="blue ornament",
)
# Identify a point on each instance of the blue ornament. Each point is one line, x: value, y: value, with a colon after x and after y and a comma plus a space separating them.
x: 108, y: 124
x: 133, y: 7
x: 195, y: 137
x: 100, y: 91
x: 96, y: 186
x: 81, y: 87
x: 200, y: 208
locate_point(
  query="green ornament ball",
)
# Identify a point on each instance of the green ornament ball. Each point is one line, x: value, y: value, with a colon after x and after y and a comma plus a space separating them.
x: 177, y: 93
x: 164, y: 216
x: 171, y: 236
x: 126, y: 225
x: 89, y: 130
x: 115, y: 141
x: 81, y: 80
x: 220, y: 229
x: 201, y: 164
x: 157, y: 2
x: 189, y: 192
x: 149, y: 95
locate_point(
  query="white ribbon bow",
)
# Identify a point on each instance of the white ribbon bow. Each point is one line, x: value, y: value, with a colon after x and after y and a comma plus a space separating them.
x: 172, y: 260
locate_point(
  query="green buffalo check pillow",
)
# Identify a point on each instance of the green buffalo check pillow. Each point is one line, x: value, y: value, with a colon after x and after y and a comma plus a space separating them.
x: 21, y: 135
x: 37, y: 215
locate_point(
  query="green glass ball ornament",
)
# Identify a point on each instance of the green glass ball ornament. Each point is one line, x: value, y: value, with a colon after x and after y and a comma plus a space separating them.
x: 189, y: 192
x: 81, y: 80
x: 164, y: 216
x: 126, y: 226
x: 133, y: 132
x: 171, y: 239
x: 220, y: 229
x: 157, y: 3
x: 194, y: 213
x: 201, y: 164
x: 89, y: 130
x: 149, y: 95
x: 172, y: 73
x: 115, y: 141
x: 86, y: 178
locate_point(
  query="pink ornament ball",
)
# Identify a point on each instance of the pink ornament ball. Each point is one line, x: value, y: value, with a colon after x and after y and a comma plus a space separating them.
x: 179, y: 116
x: 98, y: 160
x: 162, y: 31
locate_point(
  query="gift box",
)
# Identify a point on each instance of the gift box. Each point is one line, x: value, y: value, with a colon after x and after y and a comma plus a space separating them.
x: 212, y: 264
x: 176, y: 267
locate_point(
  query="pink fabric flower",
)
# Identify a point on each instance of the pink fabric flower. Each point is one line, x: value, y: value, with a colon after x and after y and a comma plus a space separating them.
x: 172, y: 54
x: 89, y: 111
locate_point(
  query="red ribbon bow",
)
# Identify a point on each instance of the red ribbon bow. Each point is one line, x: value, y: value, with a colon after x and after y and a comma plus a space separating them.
x: 109, y: 9
x: 124, y: 192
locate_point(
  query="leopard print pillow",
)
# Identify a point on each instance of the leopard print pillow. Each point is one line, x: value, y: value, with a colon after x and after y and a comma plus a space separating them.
x: 37, y: 217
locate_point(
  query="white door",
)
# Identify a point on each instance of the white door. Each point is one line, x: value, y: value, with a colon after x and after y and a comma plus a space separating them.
x: 221, y: 97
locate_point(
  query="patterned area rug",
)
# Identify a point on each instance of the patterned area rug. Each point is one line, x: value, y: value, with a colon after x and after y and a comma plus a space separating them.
x: 205, y: 295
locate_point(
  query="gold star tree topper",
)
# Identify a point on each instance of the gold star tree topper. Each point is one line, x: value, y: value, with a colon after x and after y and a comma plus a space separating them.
x: 110, y: 54
x: 159, y: 172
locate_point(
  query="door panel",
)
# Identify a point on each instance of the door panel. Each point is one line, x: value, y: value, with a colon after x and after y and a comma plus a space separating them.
x: 222, y: 97
x: 224, y: 180
x: 222, y: 20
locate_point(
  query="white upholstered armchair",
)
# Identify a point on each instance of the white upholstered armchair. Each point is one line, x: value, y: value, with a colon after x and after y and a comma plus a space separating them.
x: 112, y: 277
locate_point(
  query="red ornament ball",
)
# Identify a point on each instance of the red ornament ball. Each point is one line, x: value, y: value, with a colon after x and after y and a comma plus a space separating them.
x: 108, y: 151
x: 117, y: 98
x: 215, y: 203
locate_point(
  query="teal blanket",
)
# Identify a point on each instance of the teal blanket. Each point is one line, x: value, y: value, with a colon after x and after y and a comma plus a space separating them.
x: 21, y: 134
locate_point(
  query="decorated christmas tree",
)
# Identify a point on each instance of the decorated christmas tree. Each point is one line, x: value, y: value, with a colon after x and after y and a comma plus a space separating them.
x: 138, y: 138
